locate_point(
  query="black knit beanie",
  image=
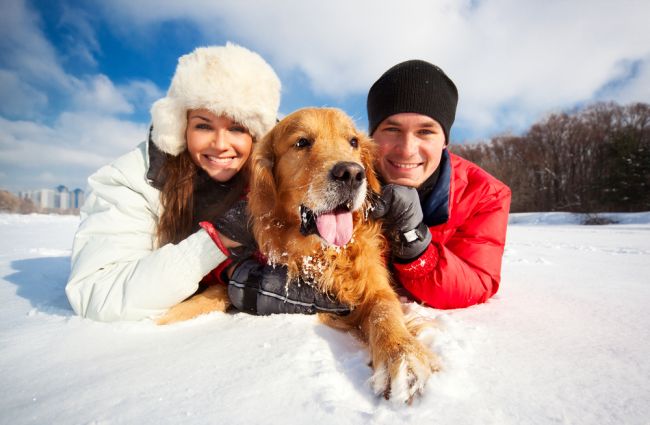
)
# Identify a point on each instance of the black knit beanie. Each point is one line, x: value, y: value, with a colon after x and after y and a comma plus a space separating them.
x: 413, y: 86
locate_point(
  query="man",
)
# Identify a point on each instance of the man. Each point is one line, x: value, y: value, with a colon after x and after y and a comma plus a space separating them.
x: 445, y: 217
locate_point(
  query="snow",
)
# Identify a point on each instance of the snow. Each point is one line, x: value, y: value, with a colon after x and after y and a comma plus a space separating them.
x: 565, y: 341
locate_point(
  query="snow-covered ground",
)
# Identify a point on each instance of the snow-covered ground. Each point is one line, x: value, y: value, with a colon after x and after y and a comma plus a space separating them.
x: 565, y: 341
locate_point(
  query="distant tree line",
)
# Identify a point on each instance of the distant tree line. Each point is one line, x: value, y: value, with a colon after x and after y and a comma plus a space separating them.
x: 593, y: 160
x: 12, y: 203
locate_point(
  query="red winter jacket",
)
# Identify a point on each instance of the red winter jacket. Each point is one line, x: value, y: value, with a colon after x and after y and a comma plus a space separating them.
x: 462, y: 266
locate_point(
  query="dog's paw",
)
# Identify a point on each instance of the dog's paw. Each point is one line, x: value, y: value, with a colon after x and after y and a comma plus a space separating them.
x: 402, y: 378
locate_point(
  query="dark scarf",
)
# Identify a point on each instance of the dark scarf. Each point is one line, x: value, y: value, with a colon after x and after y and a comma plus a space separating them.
x: 425, y: 189
x: 434, y: 193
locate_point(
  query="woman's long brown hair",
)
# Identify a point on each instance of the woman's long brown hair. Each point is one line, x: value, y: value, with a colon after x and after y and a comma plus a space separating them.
x: 177, y: 199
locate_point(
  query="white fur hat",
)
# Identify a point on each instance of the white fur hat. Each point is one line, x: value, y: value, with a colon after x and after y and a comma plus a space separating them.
x: 226, y: 80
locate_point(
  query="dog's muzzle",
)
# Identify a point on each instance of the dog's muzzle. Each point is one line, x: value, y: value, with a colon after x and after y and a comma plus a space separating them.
x: 332, y: 218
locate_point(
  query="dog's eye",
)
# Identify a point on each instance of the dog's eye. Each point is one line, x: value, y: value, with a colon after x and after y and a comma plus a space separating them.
x: 303, y: 143
x: 354, y: 142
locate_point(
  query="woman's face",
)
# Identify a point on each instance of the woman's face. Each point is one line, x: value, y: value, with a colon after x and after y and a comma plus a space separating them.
x: 217, y: 144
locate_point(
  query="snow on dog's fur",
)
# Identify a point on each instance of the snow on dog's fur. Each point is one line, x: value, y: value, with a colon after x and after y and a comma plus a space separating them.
x: 311, y: 186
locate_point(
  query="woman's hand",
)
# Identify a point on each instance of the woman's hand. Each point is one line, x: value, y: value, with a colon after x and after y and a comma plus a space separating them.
x: 235, y: 230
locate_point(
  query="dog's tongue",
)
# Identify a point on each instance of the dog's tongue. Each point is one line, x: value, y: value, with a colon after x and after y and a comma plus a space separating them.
x: 335, y: 227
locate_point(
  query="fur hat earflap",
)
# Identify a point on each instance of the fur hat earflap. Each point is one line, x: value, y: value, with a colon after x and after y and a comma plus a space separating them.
x: 227, y: 80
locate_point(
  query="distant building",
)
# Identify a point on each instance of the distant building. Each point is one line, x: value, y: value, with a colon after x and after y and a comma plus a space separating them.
x: 78, y: 198
x: 45, y: 199
x: 60, y: 199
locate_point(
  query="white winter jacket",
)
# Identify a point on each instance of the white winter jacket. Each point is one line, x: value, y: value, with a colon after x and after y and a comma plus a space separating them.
x: 118, y: 272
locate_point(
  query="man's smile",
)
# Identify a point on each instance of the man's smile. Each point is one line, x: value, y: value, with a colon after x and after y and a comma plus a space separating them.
x: 404, y: 165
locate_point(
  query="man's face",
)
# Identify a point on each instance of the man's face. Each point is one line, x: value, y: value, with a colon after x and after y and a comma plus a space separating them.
x: 410, y: 148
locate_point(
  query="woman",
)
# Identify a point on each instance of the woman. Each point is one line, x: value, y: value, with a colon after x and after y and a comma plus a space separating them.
x: 140, y: 249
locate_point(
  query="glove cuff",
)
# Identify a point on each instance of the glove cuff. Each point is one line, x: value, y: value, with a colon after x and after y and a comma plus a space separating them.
x: 417, y: 234
x: 412, y: 244
x: 209, y: 227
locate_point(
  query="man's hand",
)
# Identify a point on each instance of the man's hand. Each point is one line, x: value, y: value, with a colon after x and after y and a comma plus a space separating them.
x: 400, y: 208
x: 264, y: 290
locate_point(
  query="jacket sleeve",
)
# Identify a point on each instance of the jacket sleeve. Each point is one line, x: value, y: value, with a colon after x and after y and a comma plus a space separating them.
x: 466, y: 269
x: 116, y: 272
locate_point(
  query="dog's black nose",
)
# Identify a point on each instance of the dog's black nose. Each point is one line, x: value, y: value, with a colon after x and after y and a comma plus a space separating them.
x: 349, y: 173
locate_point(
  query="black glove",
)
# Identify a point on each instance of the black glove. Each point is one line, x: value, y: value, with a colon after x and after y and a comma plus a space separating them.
x: 263, y: 290
x: 400, y: 208
x: 235, y: 224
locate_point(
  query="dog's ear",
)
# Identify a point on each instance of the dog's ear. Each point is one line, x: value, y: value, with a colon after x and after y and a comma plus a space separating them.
x: 368, y: 155
x: 263, y: 194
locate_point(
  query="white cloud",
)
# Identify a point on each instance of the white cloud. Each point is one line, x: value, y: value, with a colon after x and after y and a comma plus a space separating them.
x: 100, y: 134
x: 26, y: 50
x: 70, y: 150
x: 19, y: 98
x: 141, y: 93
x: 32, y: 74
x: 527, y: 57
x: 99, y: 94
x: 69, y: 144
x: 76, y: 139
x: 636, y: 87
x: 80, y: 39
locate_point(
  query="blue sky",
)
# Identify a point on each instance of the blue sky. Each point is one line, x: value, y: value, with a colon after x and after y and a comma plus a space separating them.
x: 77, y: 77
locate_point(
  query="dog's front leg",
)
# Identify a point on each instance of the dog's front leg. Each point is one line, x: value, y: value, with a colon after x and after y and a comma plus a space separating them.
x: 402, y: 365
x: 214, y: 298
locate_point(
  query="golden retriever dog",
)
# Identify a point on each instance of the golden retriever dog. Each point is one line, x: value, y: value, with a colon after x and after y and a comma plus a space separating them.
x: 312, y: 183
x: 311, y: 189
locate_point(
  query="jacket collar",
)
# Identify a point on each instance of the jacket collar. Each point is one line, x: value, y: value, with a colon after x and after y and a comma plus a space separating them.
x: 155, y: 159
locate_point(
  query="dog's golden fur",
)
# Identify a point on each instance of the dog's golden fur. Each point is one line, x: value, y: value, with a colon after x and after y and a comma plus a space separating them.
x: 213, y: 298
x: 284, y: 177
x: 287, y: 176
